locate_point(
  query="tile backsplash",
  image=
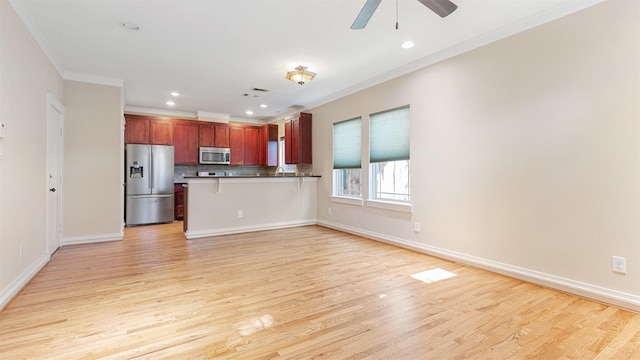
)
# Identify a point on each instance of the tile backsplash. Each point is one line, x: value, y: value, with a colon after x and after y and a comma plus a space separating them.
x: 180, y: 171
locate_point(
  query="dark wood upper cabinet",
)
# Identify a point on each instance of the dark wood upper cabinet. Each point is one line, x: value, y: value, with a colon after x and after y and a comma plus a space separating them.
x: 206, y: 135
x: 236, y: 143
x: 145, y: 129
x: 185, y: 143
x: 252, y: 145
x: 221, y: 136
x: 269, y: 145
x: 214, y: 135
x: 297, y: 140
x: 136, y: 130
x: 161, y: 132
x: 288, y: 134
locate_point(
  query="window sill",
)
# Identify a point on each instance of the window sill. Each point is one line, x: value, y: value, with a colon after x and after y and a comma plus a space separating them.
x: 390, y: 205
x: 347, y: 200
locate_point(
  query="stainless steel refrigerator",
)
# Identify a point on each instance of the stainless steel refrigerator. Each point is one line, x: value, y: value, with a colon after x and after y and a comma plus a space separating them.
x: 149, y: 184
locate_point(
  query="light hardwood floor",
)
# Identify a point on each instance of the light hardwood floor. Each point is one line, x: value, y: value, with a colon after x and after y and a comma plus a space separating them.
x: 298, y: 293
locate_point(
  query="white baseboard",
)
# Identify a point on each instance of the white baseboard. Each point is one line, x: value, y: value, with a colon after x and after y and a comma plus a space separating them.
x: 75, y: 240
x: 245, y: 229
x: 593, y: 292
x: 16, y: 285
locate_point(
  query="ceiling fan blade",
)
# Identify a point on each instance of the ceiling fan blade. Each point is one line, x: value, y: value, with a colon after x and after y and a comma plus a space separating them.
x: 440, y: 7
x: 365, y: 14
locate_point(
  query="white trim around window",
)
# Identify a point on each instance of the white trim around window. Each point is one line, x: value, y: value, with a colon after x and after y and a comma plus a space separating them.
x: 347, y: 200
x: 390, y: 205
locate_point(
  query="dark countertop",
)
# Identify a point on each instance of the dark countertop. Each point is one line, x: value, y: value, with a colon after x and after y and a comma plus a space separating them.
x: 250, y: 176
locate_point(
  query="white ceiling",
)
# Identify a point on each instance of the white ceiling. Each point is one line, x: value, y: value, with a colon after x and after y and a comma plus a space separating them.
x: 214, y: 51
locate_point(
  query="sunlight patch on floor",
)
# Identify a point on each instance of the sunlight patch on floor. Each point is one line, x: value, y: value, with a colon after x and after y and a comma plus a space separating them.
x: 433, y: 275
x: 246, y: 328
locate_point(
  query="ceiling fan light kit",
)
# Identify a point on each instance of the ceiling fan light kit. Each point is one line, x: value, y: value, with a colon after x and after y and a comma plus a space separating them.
x: 441, y: 7
x: 300, y: 75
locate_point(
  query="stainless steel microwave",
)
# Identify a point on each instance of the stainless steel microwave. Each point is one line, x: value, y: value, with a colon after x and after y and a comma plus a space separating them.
x: 214, y: 155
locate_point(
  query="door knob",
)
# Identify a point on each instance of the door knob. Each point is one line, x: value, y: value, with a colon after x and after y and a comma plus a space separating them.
x: 52, y: 189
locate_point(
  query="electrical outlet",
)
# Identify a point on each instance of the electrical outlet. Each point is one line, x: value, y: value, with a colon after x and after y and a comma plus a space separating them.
x: 416, y: 227
x: 20, y: 251
x: 239, y: 213
x: 619, y: 264
x: 329, y: 211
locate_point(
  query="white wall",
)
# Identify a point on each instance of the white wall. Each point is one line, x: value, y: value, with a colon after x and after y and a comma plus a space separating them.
x: 26, y: 76
x: 525, y: 154
x: 93, y: 163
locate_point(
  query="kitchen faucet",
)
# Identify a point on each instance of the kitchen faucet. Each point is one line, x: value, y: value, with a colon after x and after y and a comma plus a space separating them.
x: 278, y: 169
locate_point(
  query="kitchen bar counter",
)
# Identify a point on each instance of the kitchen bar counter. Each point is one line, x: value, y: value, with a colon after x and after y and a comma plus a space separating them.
x: 235, y: 204
x: 252, y: 176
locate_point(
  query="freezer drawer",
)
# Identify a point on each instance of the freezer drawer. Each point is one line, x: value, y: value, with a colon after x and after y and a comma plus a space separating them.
x: 149, y: 209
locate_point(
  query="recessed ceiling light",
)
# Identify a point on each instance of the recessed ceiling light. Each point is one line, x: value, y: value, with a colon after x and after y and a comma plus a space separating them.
x: 249, y: 112
x: 170, y: 103
x: 263, y: 105
x: 175, y: 93
x: 407, y: 45
x: 130, y: 26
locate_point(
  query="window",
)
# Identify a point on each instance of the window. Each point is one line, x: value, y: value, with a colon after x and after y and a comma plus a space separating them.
x: 390, y: 180
x: 389, y: 155
x: 347, y: 158
x: 287, y: 168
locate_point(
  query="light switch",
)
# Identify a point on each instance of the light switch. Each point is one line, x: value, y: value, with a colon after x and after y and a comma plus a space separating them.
x: 1, y: 130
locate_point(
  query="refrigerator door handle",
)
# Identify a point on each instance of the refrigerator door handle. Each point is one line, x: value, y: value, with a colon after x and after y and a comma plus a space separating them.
x: 149, y: 196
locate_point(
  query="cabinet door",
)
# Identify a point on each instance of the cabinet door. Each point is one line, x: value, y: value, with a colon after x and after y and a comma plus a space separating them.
x: 251, y: 146
x: 288, y: 133
x: 297, y: 140
x: 269, y: 145
x: 236, y: 143
x: 136, y: 131
x: 304, y: 138
x: 161, y: 132
x: 221, y: 136
x: 186, y: 143
x: 179, y: 202
x: 206, y: 135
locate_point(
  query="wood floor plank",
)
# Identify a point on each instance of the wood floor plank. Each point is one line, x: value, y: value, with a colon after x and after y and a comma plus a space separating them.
x: 298, y: 293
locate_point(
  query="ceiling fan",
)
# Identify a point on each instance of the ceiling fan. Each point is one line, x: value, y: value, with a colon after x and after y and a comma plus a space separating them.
x: 440, y: 7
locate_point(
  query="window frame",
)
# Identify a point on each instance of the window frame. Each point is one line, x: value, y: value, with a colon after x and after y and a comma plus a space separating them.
x: 343, y: 163
x: 373, y: 199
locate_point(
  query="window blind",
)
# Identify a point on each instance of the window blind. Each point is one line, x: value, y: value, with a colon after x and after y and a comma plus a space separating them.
x: 347, y: 140
x: 389, y: 131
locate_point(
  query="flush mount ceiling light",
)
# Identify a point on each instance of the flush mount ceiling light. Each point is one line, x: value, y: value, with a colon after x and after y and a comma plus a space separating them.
x: 300, y: 75
x: 170, y: 103
x: 175, y: 94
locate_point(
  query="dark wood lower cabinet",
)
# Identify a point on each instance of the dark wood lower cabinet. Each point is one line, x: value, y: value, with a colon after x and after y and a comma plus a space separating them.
x: 179, y: 201
x: 186, y: 212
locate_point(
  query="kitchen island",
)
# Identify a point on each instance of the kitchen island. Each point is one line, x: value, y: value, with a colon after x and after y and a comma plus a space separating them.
x: 236, y: 204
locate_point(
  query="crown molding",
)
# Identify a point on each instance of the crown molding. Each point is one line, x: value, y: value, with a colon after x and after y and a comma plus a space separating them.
x: 140, y: 110
x: 212, y: 117
x: 93, y: 79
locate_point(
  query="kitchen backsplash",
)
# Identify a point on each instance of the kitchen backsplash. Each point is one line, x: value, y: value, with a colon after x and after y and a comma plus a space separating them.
x: 180, y: 171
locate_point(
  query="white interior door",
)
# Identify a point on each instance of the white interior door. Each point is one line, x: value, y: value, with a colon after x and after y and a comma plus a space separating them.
x: 55, y: 142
